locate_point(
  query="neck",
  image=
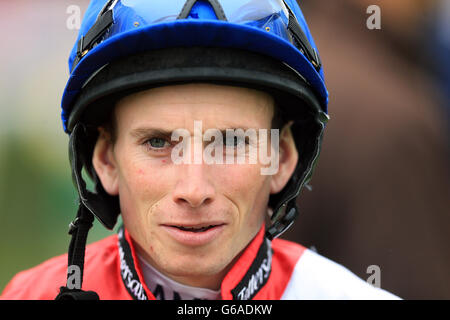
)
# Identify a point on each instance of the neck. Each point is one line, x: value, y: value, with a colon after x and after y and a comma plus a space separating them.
x: 206, y: 281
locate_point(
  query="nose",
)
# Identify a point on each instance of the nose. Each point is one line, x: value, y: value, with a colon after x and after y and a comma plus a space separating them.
x: 193, y: 187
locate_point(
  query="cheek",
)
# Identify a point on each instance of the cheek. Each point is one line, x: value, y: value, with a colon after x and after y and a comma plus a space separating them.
x: 249, y: 191
x: 142, y: 183
x: 143, y: 176
x: 243, y: 178
x: 247, y: 188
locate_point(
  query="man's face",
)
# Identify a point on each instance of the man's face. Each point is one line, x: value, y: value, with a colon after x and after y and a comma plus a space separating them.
x: 189, y: 220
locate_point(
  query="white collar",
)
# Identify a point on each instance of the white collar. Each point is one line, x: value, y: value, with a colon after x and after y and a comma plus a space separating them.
x: 164, y: 288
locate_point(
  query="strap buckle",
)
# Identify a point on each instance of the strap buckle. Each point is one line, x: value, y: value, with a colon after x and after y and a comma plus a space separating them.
x: 73, y: 225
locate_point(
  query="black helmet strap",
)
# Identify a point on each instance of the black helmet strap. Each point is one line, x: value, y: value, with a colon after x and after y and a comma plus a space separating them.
x: 284, y: 203
x: 78, y: 229
x: 89, y: 205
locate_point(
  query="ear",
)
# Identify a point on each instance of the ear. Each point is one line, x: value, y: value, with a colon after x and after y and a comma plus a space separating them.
x: 104, y: 162
x: 288, y: 157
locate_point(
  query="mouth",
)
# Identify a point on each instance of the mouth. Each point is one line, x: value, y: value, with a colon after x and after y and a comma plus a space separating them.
x: 194, y: 235
x: 194, y: 229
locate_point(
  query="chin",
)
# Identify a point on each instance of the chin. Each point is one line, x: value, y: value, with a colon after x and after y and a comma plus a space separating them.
x: 196, y: 266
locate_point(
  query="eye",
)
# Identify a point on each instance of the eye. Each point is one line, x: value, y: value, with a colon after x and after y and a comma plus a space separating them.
x: 235, y: 141
x: 157, y: 143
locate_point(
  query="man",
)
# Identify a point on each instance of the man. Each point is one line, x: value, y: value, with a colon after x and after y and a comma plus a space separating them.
x: 164, y: 107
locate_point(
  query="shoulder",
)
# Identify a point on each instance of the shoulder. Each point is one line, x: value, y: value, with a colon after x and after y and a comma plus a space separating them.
x: 43, y: 281
x: 315, y: 277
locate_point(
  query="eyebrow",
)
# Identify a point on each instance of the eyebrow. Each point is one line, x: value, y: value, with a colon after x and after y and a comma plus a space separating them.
x: 223, y: 130
x: 147, y: 132
x: 141, y: 133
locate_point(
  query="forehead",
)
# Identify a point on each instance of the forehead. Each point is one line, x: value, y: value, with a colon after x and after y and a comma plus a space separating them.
x: 178, y: 106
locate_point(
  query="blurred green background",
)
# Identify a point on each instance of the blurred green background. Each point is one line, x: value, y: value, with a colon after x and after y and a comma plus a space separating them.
x: 381, y: 188
x: 37, y: 197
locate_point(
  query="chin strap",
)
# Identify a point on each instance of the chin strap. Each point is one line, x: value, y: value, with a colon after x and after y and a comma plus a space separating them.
x: 99, y: 204
x: 78, y: 229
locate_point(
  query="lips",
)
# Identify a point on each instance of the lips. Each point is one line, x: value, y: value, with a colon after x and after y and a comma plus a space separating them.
x: 194, y: 235
x: 194, y: 229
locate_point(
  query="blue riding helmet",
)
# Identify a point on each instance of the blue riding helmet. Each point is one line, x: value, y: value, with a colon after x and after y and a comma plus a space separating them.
x: 129, y: 45
x: 115, y: 29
